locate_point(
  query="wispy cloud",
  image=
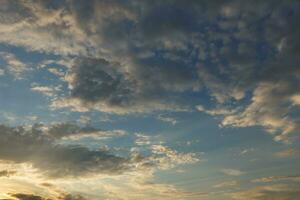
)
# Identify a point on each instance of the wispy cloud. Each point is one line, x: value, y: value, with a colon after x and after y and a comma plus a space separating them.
x: 232, y: 172
x: 226, y: 184
x: 170, y: 120
x: 276, y: 178
x: 14, y: 66
x: 268, y: 192
x: 286, y: 153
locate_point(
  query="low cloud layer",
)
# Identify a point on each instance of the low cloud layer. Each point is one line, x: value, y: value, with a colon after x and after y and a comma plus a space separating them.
x: 35, y: 154
x: 21, y: 196
x: 33, y: 145
x: 276, y: 192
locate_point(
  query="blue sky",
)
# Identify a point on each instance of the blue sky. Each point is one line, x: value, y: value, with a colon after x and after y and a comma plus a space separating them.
x: 129, y: 100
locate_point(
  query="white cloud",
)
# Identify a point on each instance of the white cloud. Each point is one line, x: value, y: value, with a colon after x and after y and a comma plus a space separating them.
x: 46, y: 90
x: 14, y: 66
x: 232, y: 172
x: 167, y: 158
x: 268, y: 110
x: 170, y: 120
x: 276, y: 178
x: 226, y: 184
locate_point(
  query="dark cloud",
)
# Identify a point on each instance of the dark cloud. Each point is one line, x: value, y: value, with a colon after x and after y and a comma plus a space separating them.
x: 23, y: 144
x: 7, y: 173
x: 100, y: 85
x: 21, y: 196
x: 71, y: 130
x: 137, y: 56
x: 97, y: 80
x: 73, y: 197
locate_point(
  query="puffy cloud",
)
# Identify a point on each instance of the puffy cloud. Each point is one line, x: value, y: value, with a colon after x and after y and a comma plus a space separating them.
x: 46, y: 90
x: 162, y: 156
x: 167, y: 158
x: 97, y: 84
x: 269, y: 109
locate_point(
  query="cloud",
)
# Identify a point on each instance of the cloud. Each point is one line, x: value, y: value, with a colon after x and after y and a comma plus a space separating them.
x: 42, y: 159
x: 266, y: 110
x: 161, y: 156
x: 56, y: 72
x: 53, y: 160
x: 97, y: 84
x: 14, y: 66
x: 276, y: 192
x: 85, y: 119
x: 276, y: 178
x: 170, y: 120
x: 73, y: 197
x: 74, y: 132
x: 232, y: 172
x: 2, y: 72
x: 246, y: 151
x: 46, y: 90
x: 123, y: 61
x: 286, y: 153
x: 226, y: 184
x: 6, y: 173
x: 21, y: 196
x: 166, y: 158
x: 217, y: 111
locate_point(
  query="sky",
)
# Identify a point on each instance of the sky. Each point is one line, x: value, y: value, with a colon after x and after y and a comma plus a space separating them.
x: 137, y: 99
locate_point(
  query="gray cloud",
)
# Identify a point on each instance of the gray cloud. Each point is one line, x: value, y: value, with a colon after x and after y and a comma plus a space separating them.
x: 73, y: 197
x: 73, y: 131
x: 100, y: 85
x: 22, y: 196
x: 136, y: 56
x: 7, y: 173
x: 98, y: 80
x: 32, y: 145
